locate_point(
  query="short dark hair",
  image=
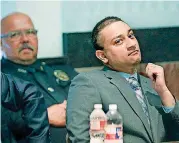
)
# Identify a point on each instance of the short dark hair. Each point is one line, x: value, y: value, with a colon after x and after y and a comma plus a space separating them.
x: 99, y: 26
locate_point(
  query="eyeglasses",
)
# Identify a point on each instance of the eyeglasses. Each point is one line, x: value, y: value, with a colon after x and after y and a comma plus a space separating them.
x: 16, y: 35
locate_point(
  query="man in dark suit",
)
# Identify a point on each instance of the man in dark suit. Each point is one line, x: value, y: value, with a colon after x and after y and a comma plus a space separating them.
x: 18, y: 95
x: 19, y: 42
x: 150, y: 115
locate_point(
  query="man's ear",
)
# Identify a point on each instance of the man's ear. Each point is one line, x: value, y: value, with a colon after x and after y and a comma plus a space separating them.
x: 101, y: 56
x: 1, y: 45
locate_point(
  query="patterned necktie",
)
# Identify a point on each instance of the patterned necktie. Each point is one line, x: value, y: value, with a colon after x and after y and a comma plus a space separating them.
x: 136, y: 87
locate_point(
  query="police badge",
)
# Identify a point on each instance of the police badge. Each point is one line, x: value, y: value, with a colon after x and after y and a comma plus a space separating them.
x: 61, y: 77
x: 59, y: 74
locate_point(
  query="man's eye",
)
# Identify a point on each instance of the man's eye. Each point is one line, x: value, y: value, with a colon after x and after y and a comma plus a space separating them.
x: 14, y: 34
x: 118, y: 41
x: 131, y: 35
x: 33, y: 32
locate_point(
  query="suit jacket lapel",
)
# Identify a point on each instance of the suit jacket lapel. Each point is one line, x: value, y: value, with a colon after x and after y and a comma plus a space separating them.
x: 148, y: 92
x: 129, y: 96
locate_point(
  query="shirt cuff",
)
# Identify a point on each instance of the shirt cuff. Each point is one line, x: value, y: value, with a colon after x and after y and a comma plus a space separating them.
x: 167, y: 109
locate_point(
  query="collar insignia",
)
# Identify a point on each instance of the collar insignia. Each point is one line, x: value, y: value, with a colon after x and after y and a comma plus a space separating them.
x: 21, y: 70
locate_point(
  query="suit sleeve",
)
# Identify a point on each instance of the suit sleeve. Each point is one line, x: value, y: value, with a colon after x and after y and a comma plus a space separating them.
x: 81, y: 99
x: 171, y: 121
x: 17, y: 94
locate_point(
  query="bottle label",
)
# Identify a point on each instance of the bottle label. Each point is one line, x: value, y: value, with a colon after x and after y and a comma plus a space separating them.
x: 114, y: 132
x: 97, y: 125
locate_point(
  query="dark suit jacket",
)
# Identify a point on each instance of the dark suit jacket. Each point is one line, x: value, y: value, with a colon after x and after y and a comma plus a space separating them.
x: 18, y: 95
x: 54, y: 90
x: 108, y: 87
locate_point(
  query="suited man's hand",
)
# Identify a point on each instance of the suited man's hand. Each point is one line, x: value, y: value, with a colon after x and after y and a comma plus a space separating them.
x: 156, y: 74
x: 57, y: 114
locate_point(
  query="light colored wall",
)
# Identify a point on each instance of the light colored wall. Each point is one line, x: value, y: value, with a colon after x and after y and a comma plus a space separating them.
x: 80, y: 16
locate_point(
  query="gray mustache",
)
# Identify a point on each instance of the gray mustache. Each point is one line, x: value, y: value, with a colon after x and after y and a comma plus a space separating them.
x: 26, y: 46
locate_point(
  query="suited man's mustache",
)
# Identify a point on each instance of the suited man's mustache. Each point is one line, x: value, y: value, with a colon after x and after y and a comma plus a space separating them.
x: 133, y: 52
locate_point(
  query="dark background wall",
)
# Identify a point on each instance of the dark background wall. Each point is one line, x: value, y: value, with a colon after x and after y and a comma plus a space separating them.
x: 157, y: 45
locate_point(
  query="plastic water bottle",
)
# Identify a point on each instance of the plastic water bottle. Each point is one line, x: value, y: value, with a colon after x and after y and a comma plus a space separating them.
x: 114, y: 127
x: 97, y: 123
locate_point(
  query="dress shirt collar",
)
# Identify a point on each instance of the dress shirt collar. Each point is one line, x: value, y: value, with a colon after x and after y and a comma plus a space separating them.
x: 126, y: 75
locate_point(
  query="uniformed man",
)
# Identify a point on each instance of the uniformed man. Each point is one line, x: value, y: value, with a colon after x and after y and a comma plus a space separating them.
x: 17, y: 94
x: 19, y: 44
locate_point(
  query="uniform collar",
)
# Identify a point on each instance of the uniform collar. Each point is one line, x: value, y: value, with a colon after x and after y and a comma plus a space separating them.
x: 8, y: 63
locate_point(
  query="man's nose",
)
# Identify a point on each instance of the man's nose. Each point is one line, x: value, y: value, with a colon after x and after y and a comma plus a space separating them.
x: 24, y: 37
x: 131, y: 44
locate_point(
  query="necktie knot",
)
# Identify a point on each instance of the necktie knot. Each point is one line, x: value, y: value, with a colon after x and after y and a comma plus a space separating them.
x: 134, y: 83
x: 31, y: 70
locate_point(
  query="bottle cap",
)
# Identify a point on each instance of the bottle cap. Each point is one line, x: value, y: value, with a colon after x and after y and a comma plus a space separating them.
x: 95, y: 140
x: 112, y: 107
x: 98, y: 106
